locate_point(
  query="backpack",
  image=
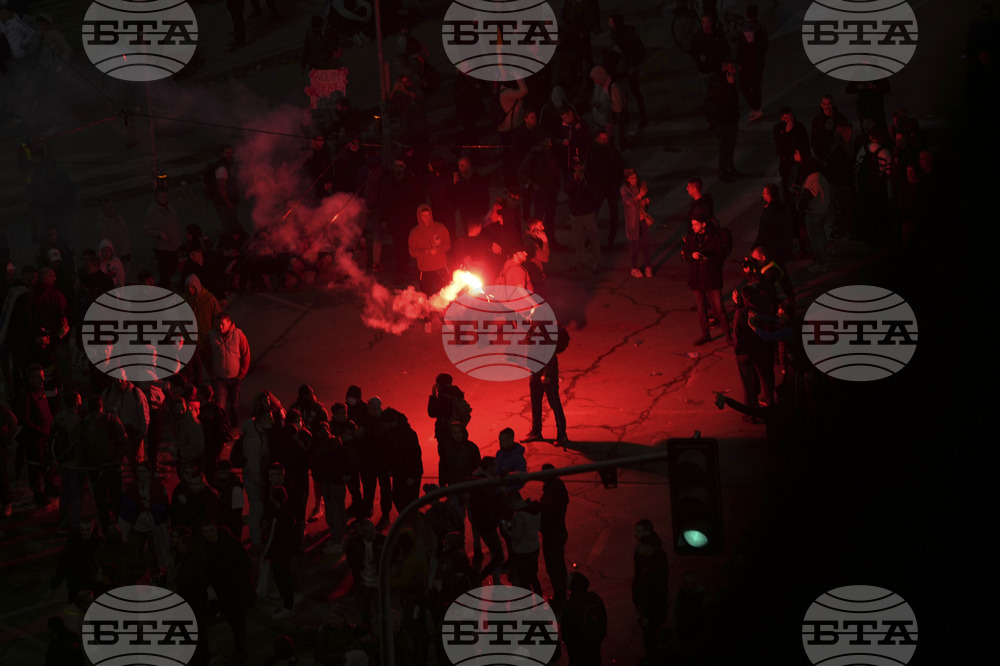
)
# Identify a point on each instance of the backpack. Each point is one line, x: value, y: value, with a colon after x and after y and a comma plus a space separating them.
x: 726, y: 234
x: 461, y: 410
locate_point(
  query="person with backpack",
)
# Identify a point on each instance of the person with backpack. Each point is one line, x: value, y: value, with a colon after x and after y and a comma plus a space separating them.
x: 704, y: 251
x: 545, y: 382
x: 442, y: 406
x: 584, y: 622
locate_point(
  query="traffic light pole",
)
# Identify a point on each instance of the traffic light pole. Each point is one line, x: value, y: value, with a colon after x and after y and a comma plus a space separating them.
x: 386, y: 638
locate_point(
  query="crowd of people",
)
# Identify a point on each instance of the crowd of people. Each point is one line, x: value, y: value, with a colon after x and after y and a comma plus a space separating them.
x: 872, y: 179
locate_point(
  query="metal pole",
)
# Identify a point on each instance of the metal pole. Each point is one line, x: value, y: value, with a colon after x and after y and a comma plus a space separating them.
x: 383, y: 84
x: 386, y: 639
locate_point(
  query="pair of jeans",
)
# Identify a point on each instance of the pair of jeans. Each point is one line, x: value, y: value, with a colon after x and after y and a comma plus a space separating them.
x: 227, y: 396
x: 550, y: 389
x: 713, y: 296
x: 333, y: 500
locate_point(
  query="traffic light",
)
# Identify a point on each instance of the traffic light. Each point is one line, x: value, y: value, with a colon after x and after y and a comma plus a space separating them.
x: 695, y: 495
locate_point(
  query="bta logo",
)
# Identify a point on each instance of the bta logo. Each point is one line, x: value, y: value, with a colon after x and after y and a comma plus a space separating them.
x: 500, y: 333
x: 140, y: 333
x: 499, y: 624
x: 140, y: 624
x: 500, y: 40
x: 140, y: 41
x: 859, y: 333
x: 862, y: 40
x: 859, y: 624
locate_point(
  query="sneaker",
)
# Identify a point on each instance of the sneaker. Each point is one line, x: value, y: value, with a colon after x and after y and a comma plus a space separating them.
x: 282, y: 613
x: 636, y: 273
x: 314, y: 516
x: 533, y: 436
x: 562, y: 440
x: 649, y: 272
x: 703, y: 340
x: 755, y: 115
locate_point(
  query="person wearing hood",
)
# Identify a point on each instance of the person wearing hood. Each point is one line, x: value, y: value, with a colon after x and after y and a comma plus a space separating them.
x: 407, y: 459
x: 606, y: 102
x: 429, y: 243
x: 510, y: 458
x: 112, y: 226
x: 206, y: 307
x: 110, y: 264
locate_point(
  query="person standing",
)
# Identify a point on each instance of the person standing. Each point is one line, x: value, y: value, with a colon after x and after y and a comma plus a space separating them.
x: 470, y: 193
x: 703, y: 252
x: 604, y: 172
x: 35, y: 418
x: 429, y: 243
x: 813, y: 203
x: 823, y: 134
x: 628, y: 46
x: 524, y: 542
x: 650, y: 589
x: 554, y: 500
x: 708, y: 48
x: 545, y: 383
x: 255, y: 448
x: 227, y: 194
x: 539, y: 177
x: 751, y: 46
x: 790, y: 136
x: 283, y: 541
x: 102, y: 444
x: 583, y: 218
x: 722, y: 107
x: 230, y: 355
x: 163, y: 225
x: 637, y: 222
x: 584, y: 623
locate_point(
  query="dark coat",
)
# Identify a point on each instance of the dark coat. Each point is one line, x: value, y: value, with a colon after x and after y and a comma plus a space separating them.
x: 704, y: 274
x: 650, y: 589
x: 774, y: 232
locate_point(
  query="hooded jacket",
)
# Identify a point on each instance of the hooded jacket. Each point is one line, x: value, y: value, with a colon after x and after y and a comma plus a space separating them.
x: 113, y: 266
x: 430, y: 255
x: 205, y: 308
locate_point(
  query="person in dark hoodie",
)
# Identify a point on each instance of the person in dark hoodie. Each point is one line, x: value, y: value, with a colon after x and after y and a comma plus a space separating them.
x: 584, y: 623
x: 407, y: 460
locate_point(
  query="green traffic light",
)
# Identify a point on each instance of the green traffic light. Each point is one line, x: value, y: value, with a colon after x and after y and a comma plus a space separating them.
x: 695, y: 539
